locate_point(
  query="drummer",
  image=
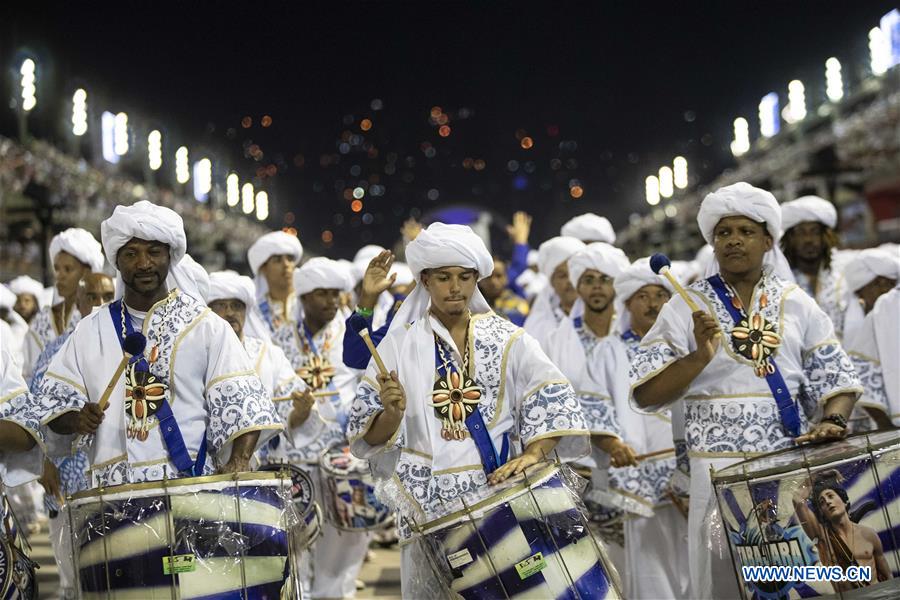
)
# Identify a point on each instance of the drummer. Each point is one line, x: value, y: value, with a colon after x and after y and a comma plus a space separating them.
x: 223, y: 409
x: 737, y: 401
x: 273, y: 258
x: 554, y: 302
x: 396, y: 422
x: 313, y: 345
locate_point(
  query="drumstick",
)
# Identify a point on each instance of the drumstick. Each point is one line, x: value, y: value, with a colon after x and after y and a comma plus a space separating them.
x: 104, y: 399
x: 364, y: 334
x: 661, y: 265
x: 323, y: 394
x: 641, y: 457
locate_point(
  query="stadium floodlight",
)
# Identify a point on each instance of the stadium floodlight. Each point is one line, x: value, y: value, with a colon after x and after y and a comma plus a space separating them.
x: 247, y: 198
x: 879, y: 51
x: 107, y: 137
x: 79, y: 112
x: 182, y: 170
x: 120, y: 134
x: 834, y: 83
x: 680, y: 168
x: 652, y: 189
x: 769, y: 115
x: 202, y: 179
x: 262, y: 206
x: 665, y: 182
x: 795, y: 111
x: 232, y: 190
x: 154, y: 149
x: 890, y: 26
x: 28, y: 71
x: 741, y: 143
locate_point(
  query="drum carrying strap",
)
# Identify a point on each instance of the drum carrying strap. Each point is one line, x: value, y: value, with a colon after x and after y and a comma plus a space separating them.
x: 490, y: 459
x: 168, y: 426
x: 787, y: 408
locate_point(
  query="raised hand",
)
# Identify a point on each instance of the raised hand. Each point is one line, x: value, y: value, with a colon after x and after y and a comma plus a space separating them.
x: 410, y: 230
x: 520, y: 229
x: 377, y: 279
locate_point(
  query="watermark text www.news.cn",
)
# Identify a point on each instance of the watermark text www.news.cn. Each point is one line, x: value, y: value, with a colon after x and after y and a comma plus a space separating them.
x: 759, y: 574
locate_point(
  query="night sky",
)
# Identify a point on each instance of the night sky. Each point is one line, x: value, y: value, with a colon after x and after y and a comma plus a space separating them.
x: 631, y: 84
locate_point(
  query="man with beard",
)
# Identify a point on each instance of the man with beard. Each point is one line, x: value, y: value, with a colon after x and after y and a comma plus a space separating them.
x: 808, y: 241
x: 223, y: 409
x: 29, y: 293
x: 74, y: 254
x: 444, y: 338
x: 554, y: 301
x: 314, y: 346
x: 740, y: 392
x: 273, y: 258
x: 839, y: 540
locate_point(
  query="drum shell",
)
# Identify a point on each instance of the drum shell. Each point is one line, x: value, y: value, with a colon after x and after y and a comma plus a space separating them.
x: 348, y: 494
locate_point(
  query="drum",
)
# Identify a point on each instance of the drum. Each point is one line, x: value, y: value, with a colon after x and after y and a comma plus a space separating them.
x: 17, y: 570
x: 526, y: 537
x: 830, y: 505
x: 303, y: 494
x: 348, y: 492
x: 222, y: 536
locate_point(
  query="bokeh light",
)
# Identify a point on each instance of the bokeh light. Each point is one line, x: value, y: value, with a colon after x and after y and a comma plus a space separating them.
x: 356, y: 206
x: 365, y: 124
x: 266, y: 121
x: 526, y: 143
x: 576, y: 191
x: 246, y: 122
x: 444, y: 131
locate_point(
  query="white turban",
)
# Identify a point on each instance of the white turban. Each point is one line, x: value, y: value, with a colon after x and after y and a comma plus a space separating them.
x: 227, y: 285
x: 7, y: 298
x: 80, y: 244
x: 321, y: 273
x: 808, y: 209
x: 532, y: 260
x: 531, y: 283
x: 743, y: 200
x: 403, y: 272
x: 195, y: 273
x: 147, y: 221
x: 23, y: 284
x: 439, y: 246
x: 556, y: 251
x: 362, y: 258
x: 589, y: 228
x: 633, y: 278
x: 869, y: 264
x: 267, y: 246
x: 598, y: 256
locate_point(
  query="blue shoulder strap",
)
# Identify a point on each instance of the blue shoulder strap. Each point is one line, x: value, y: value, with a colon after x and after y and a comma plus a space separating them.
x: 168, y: 426
x: 787, y: 408
x: 490, y: 459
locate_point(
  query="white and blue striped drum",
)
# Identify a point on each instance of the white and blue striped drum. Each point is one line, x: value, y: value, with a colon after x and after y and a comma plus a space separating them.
x: 527, y: 539
x: 17, y: 570
x: 216, y: 537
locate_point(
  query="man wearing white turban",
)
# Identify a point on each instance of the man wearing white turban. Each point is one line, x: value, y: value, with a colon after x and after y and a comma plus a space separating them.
x: 589, y: 228
x: 554, y: 301
x: 871, y: 273
x: 808, y: 241
x: 273, y: 258
x: 313, y: 344
x: 446, y: 338
x: 74, y: 254
x: 656, y: 542
x: 758, y: 351
x: 177, y: 345
x: 29, y: 296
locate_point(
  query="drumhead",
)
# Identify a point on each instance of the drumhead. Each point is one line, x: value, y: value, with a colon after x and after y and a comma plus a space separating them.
x: 806, y: 456
x: 303, y: 492
x: 205, y: 483
x: 338, y: 461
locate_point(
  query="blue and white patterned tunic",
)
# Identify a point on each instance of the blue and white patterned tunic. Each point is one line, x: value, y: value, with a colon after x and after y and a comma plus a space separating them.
x: 42, y: 332
x: 831, y: 294
x: 522, y: 394
x: 15, y: 402
x: 210, y: 385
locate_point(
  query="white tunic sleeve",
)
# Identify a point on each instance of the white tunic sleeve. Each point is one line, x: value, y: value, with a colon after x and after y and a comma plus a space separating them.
x: 15, y: 401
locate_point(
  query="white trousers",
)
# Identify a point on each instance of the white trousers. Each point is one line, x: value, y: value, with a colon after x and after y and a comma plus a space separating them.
x: 712, y: 572
x: 336, y: 559
x: 655, y: 552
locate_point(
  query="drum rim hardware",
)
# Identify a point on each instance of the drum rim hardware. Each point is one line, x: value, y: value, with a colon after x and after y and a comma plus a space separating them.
x: 175, y: 483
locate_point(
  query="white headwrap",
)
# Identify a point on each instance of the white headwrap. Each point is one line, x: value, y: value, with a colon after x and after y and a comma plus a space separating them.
x: 589, y: 228
x: 531, y: 282
x: 404, y: 274
x: 267, y: 246
x: 599, y: 256
x: 7, y: 298
x: 80, y: 244
x: 147, y: 221
x: 362, y: 258
x: 869, y: 264
x: 23, y: 284
x: 532, y: 259
x: 556, y: 251
x: 439, y: 246
x: 743, y: 200
x: 629, y: 281
x: 808, y: 209
x: 193, y: 271
x: 225, y: 285
x: 321, y: 273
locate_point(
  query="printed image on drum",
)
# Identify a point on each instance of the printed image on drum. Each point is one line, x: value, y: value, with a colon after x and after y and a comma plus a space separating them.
x: 18, y: 580
x: 834, y: 505
x: 348, y: 492
x: 303, y: 494
x: 527, y: 538
x: 210, y: 537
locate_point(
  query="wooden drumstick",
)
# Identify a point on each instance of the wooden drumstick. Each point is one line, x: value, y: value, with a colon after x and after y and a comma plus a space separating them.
x: 364, y: 334
x: 641, y: 457
x: 661, y: 265
x: 104, y: 399
x: 322, y: 394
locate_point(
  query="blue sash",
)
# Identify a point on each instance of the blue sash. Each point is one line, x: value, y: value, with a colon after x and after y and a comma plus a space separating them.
x: 490, y: 460
x: 168, y: 426
x: 630, y: 335
x: 787, y: 408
